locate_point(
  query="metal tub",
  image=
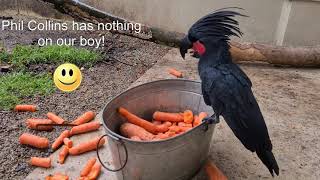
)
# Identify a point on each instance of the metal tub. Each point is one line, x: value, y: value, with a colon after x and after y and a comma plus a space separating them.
x: 176, y: 158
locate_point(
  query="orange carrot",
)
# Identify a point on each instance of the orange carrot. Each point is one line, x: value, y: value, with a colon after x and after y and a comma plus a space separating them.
x: 84, y: 118
x: 183, y: 124
x: 55, y: 118
x: 86, y: 146
x: 156, y: 139
x: 162, y: 136
x: 175, y: 72
x: 164, y: 116
x: 40, y: 162
x: 162, y: 128
x: 141, y: 122
x: 35, y: 141
x: 57, y: 176
x: 87, y: 168
x: 34, y: 124
x: 202, y: 115
x: 136, y: 138
x: 59, y: 140
x: 63, y: 154
x: 213, y: 172
x: 175, y: 129
x: 86, y: 127
x: 67, y: 142
x: 25, y: 108
x: 188, y: 116
x: 95, y: 171
x: 179, y: 129
x: 184, y: 129
x: 196, y: 121
x: 170, y: 133
x: 130, y: 130
x: 156, y: 122
x: 83, y: 178
x: 168, y: 123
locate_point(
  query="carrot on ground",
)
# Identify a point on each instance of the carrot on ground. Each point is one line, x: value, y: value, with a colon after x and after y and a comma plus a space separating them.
x: 35, y: 124
x: 86, y: 146
x: 25, y: 108
x: 84, y: 118
x: 57, y: 176
x: 130, y: 130
x: 59, y: 140
x: 86, y: 127
x: 213, y: 172
x: 67, y: 142
x: 34, y: 141
x: 149, y: 126
x: 55, y: 118
x: 165, y: 116
x: 63, y: 154
x: 95, y: 171
x: 175, y: 72
x: 40, y: 162
x: 188, y: 116
x: 87, y: 168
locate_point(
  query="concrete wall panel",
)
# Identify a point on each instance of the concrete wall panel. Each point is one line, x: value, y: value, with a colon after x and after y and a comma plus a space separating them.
x: 281, y: 22
x: 178, y: 15
x: 304, y: 24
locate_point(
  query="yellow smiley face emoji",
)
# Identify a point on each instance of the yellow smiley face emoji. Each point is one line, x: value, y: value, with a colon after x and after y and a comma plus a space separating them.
x: 67, y: 77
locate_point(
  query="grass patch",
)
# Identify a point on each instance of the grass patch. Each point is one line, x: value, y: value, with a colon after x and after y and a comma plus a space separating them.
x: 20, y: 84
x: 4, y: 56
x: 15, y: 86
x: 23, y: 56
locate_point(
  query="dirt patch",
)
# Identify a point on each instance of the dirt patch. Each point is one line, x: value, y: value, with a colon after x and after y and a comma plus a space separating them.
x: 100, y: 83
x: 289, y: 100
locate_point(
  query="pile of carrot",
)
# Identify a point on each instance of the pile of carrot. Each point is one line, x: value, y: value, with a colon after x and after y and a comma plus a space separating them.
x: 82, y: 125
x: 164, y: 125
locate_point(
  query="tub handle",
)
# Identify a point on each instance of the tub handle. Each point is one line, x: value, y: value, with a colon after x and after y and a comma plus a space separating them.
x: 209, y: 121
x: 125, y: 149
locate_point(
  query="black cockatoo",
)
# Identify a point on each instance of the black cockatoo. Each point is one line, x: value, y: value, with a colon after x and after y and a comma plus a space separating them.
x: 225, y: 86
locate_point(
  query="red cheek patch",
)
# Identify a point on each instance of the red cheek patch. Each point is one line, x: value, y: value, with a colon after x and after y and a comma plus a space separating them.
x: 199, y: 47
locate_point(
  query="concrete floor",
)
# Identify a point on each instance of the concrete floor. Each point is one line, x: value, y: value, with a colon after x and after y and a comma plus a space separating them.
x: 289, y: 99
